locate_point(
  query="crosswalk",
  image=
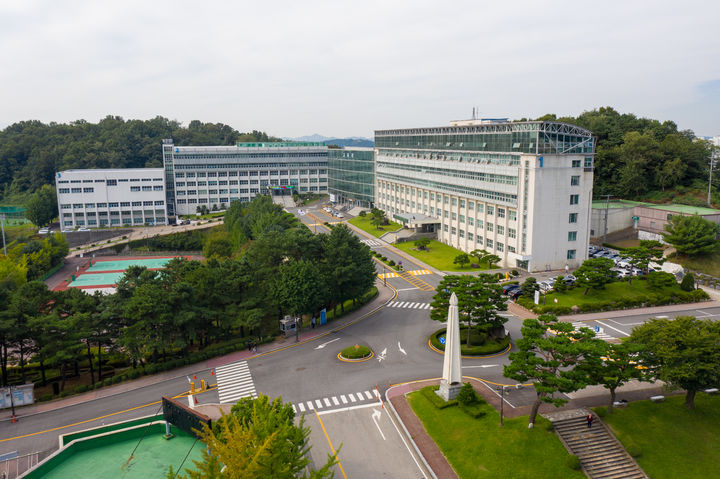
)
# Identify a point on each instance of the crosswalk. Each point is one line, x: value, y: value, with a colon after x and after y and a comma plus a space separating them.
x: 234, y: 382
x: 371, y: 243
x: 413, y: 272
x: 598, y: 334
x: 408, y: 305
x: 356, y: 398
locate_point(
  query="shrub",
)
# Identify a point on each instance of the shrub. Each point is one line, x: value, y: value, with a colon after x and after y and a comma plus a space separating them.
x: 107, y: 381
x: 633, y: 449
x: 429, y: 393
x: 45, y: 397
x: 63, y: 394
x: 133, y: 373
x: 355, y: 352
x: 467, y: 395
x: 391, y: 263
x: 474, y: 410
x: 688, y: 282
x: 98, y: 385
x: 118, y: 379
x: 601, y: 411
x: 362, y: 214
x: 515, y: 273
x: 80, y: 389
x: 573, y: 462
x: 151, y: 369
x: 660, y: 279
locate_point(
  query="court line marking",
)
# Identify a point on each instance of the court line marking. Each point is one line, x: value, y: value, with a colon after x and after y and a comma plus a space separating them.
x: 330, y: 443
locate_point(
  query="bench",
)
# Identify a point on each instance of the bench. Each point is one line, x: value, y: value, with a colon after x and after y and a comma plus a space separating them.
x: 657, y: 398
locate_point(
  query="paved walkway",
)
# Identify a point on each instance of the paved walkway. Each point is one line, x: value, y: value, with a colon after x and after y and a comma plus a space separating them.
x: 385, y: 294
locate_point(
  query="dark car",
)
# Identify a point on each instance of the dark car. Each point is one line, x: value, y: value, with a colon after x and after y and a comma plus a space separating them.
x: 509, y: 288
x: 515, y: 294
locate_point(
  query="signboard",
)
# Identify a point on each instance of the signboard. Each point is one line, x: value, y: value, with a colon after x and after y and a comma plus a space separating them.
x: 442, y: 339
x: 537, y: 297
x: 281, y: 187
x: 332, y: 197
x: 183, y: 417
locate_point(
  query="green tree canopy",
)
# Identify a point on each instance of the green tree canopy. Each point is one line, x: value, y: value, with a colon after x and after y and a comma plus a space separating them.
x: 42, y: 206
x: 692, y: 235
x: 683, y: 352
x: 595, y: 273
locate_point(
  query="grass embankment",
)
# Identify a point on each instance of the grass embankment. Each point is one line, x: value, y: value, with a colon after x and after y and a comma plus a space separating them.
x: 438, y: 255
x: 363, y: 222
x: 479, y: 343
x: 708, y: 264
x: 612, y: 292
x: 13, y: 232
x: 478, y: 448
x: 672, y: 440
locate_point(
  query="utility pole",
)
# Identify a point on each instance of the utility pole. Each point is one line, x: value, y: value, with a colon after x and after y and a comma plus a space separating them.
x: 713, y: 157
x: 2, y: 227
x: 607, y: 207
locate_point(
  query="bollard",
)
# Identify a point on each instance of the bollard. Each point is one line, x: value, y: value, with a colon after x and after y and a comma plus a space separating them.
x: 202, y: 385
x: 192, y: 387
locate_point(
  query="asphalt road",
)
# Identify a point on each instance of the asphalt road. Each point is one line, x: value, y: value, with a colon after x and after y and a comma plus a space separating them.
x: 313, y: 379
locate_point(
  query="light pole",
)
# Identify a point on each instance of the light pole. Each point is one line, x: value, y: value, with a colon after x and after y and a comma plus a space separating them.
x: 384, y: 278
x: 502, y: 402
x: 713, y: 157
x: 2, y: 227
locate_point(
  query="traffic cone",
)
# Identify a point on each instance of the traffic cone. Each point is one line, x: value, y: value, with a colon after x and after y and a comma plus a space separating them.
x: 194, y: 376
x: 14, y: 419
x: 195, y: 399
x: 212, y: 372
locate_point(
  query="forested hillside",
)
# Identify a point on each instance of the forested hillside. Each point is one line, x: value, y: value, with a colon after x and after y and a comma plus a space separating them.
x: 643, y: 159
x: 32, y: 151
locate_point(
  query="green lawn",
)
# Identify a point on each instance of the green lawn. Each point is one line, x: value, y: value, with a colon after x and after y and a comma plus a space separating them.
x: 440, y: 256
x: 709, y: 264
x: 674, y: 441
x: 478, y: 448
x: 363, y: 222
x: 612, y: 292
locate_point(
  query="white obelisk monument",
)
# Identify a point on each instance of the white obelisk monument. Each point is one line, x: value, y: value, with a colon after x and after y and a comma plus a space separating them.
x: 452, y: 370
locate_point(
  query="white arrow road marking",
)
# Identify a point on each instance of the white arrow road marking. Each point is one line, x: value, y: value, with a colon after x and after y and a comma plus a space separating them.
x: 382, y: 355
x: 375, y: 417
x: 481, y: 366
x: 401, y: 349
x: 325, y: 344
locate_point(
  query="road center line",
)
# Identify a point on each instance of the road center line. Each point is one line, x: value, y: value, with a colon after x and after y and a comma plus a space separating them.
x: 330, y: 444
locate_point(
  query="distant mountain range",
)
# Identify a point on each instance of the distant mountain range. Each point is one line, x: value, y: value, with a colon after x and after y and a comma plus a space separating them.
x: 352, y: 141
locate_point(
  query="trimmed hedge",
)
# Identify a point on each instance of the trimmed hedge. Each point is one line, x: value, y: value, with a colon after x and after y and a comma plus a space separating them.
x: 435, y: 400
x: 476, y: 350
x: 651, y: 299
x: 356, y: 352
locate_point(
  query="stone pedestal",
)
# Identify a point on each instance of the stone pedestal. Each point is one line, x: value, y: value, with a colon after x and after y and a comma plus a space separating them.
x: 448, y: 391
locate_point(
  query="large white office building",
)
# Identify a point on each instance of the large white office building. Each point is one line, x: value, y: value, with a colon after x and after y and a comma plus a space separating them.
x: 520, y: 190
x: 218, y: 175
x: 112, y: 197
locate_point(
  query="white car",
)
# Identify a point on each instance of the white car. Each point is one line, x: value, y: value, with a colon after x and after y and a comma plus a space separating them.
x: 340, y: 215
x: 83, y: 229
x: 546, y: 286
x: 43, y: 231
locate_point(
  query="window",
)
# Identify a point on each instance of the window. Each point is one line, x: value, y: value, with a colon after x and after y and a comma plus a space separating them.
x: 454, y: 216
x: 512, y: 233
x: 462, y: 233
x: 462, y: 218
x: 500, y: 230
x: 462, y: 203
x: 77, y: 205
x: 113, y: 205
x: 588, y: 162
x: 63, y: 190
x: 65, y: 206
x: 574, y: 199
x: 572, y: 235
x: 501, y: 213
x: 445, y: 213
x: 124, y: 204
x: 500, y: 247
x: 454, y: 201
x: 76, y: 190
x: 512, y: 215
x: 89, y: 205
x: 489, y: 243
x: 571, y: 254
x: 112, y: 182
x: 480, y: 240
x: 148, y: 188
x: 159, y: 203
x: 133, y: 180
x: 471, y: 205
x: 489, y: 227
x: 134, y: 188
x: 480, y: 207
x: 445, y: 228
x: 453, y: 231
x: 511, y: 249
x: 490, y: 210
x: 471, y: 220
x: 470, y: 236
x: 576, y: 163
x: 574, y: 180
x: 479, y: 224
x: 573, y: 218
x: 157, y: 188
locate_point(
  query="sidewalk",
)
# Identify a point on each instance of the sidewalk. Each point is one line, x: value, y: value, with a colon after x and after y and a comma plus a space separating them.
x: 671, y: 308
x: 385, y: 294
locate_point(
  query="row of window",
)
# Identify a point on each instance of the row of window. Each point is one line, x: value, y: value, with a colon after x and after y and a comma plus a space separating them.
x: 248, y: 166
x: 224, y: 174
x: 111, y: 182
x: 479, y: 240
x: 92, y: 214
x: 117, y: 221
x: 453, y: 173
x: 67, y: 206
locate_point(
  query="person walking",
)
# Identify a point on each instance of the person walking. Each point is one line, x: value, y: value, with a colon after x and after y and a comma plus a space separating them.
x: 590, y: 419
x: 313, y: 322
x: 255, y: 346
x: 249, y: 345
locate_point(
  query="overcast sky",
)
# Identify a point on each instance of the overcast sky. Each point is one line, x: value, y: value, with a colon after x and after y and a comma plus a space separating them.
x: 341, y: 68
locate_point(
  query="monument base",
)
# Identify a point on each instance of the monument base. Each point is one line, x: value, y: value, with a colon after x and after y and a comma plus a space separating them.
x: 448, y: 391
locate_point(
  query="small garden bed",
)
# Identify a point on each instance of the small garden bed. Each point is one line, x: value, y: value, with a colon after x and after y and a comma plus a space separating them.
x: 365, y: 224
x: 355, y: 353
x: 480, y: 345
x: 439, y: 256
x: 618, y: 295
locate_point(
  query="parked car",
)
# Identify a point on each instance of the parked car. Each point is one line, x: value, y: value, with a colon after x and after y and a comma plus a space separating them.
x: 83, y: 229
x: 508, y: 288
x: 515, y: 294
x: 546, y: 286
x: 339, y: 215
x: 43, y: 231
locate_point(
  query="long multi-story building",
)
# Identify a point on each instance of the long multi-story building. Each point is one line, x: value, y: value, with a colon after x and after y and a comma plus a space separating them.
x: 112, y: 197
x: 351, y: 175
x: 520, y: 190
x: 218, y: 175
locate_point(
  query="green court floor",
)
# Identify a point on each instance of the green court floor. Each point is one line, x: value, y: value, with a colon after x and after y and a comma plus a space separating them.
x: 126, y: 263
x: 151, y: 460
x: 96, y: 279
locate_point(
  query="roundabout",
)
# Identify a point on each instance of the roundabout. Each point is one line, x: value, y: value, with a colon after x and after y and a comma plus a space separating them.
x: 355, y: 354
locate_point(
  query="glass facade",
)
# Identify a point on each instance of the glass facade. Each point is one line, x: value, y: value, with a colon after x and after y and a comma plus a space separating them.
x: 351, y: 176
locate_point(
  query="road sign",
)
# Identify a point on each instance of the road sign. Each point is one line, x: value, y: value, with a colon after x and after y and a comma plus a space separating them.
x: 442, y: 339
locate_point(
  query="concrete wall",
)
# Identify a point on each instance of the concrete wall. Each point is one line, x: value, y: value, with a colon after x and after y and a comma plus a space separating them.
x: 617, y: 219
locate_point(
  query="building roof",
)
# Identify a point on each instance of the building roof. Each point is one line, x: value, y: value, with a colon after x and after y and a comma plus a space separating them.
x: 617, y: 204
x: 683, y: 209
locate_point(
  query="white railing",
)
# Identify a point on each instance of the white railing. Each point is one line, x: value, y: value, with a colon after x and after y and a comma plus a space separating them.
x: 14, y: 466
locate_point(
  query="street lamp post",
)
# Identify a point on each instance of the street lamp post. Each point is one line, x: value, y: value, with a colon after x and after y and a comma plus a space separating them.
x: 12, y: 404
x: 502, y: 402
x: 2, y: 226
x: 384, y: 278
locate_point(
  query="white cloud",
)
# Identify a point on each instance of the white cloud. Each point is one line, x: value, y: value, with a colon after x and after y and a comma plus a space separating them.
x: 347, y: 68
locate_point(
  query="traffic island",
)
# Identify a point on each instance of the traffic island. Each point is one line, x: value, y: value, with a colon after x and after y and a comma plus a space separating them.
x: 481, y: 345
x: 355, y: 354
